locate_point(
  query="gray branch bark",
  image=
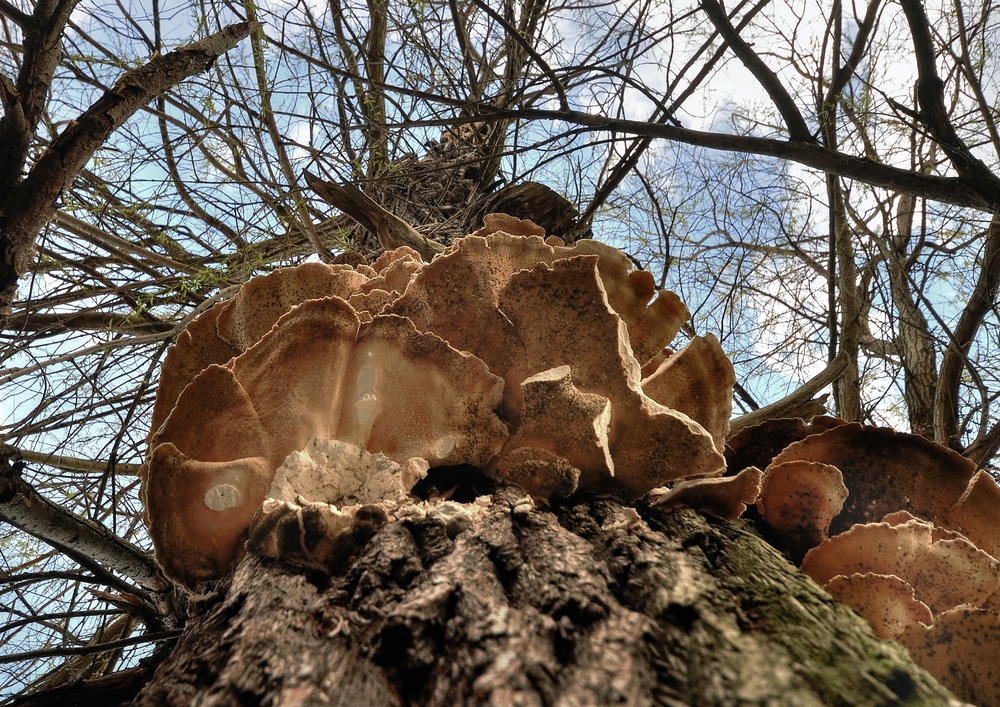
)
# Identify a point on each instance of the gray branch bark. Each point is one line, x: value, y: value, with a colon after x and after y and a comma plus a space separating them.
x: 89, y: 543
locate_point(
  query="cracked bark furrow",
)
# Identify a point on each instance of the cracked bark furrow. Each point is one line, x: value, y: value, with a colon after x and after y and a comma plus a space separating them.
x: 588, y: 604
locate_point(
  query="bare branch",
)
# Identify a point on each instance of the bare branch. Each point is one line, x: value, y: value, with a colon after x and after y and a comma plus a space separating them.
x: 513, y: 32
x: 930, y: 94
x: 949, y: 190
x: 954, y: 361
x: 13, y: 14
x: 792, y: 405
x: 91, y: 544
x: 796, y: 124
x: 391, y: 230
x: 30, y: 204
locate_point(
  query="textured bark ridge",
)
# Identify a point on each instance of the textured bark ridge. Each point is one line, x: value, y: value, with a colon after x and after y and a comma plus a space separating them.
x: 593, y: 603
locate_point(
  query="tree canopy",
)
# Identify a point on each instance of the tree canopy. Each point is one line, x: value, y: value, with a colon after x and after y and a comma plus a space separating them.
x: 819, y: 183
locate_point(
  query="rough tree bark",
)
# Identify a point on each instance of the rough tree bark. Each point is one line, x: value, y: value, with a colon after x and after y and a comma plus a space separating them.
x: 587, y: 603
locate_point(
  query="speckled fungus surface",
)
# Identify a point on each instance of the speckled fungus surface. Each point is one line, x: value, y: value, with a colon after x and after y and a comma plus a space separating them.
x: 902, y: 530
x: 518, y: 356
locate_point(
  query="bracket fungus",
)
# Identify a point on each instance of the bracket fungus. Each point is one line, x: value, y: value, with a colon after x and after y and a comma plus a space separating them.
x: 320, y: 372
x: 886, y: 471
x: 943, y: 572
x: 724, y: 496
x: 518, y: 356
x: 295, y: 418
x: 799, y: 500
x: 886, y: 601
x: 914, y: 546
x: 962, y: 650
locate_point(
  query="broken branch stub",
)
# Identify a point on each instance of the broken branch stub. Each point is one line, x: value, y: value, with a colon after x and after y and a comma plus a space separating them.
x: 506, y: 353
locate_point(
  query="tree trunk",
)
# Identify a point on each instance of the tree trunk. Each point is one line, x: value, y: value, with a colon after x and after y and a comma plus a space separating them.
x: 591, y: 603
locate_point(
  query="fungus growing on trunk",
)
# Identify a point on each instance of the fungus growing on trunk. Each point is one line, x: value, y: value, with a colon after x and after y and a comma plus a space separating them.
x: 724, y: 496
x: 799, y: 500
x: 758, y: 445
x: 886, y: 471
x: 698, y: 380
x: 962, y: 650
x: 416, y: 361
x: 943, y: 573
x: 886, y: 601
x: 921, y: 537
x: 382, y: 386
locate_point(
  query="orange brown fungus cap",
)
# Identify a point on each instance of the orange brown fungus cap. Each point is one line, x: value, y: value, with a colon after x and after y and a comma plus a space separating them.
x: 512, y: 225
x: 652, y: 323
x: 248, y: 316
x: 485, y: 295
x: 975, y: 515
x: 885, y: 601
x: 726, y: 497
x: 799, y: 500
x: 760, y: 444
x: 943, y: 573
x: 698, y: 381
x: 650, y: 444
x: 319, y: 372
x: 468, y: 277
x: 199, y: 511
x: 414, y: 361
x: 196, y: 347
x: 886, y: 471
x: 962, y: 650
x: 559, y: 421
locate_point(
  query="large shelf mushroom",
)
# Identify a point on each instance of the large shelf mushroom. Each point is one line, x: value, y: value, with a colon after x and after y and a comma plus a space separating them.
x: 508, y: 353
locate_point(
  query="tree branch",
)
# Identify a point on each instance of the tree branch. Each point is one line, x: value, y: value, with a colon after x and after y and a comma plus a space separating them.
x: 90, y: 544
x: 527, y: 46
x: 949, y: 190
x: 791, y: 404
x: 23, y: 102
x: 796, y: 124
x: 30, y: 205
x: 955, y: 356
x: 934, y: 114
x: 390, y: 230
x: 13, y: 14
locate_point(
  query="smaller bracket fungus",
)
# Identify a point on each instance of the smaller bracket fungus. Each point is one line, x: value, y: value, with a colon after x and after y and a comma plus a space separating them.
x: 975, y: 514
x: 725, y: 496
x: 885, y: 601
x: 934, y: 549
x: 799, y: 500
x: 209, y: 503
x: 559, y: 421
x: 698, y: 380
x: 196, y: 347
x: 886, y: 471
x: 943, y: 573
x: 511, y: 225
x: 247, y: 317
x: 758, y: 445
x: 962, y: 650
